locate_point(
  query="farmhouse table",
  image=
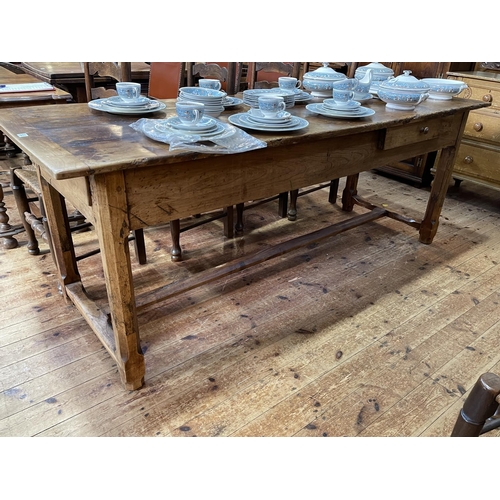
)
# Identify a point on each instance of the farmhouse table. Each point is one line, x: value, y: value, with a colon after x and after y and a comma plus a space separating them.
x: 121, y: 180
x: 7, y: 149
x: 69, y: 75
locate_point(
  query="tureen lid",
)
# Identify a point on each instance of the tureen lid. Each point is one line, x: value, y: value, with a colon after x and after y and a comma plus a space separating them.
x: 377, y: 69
x: 406, y: 82
x: 324, y: 73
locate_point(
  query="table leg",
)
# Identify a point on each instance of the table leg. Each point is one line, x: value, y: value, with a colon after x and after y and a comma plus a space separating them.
x: 350, y: 190
x: 442, y: 179
x: 112, y: 226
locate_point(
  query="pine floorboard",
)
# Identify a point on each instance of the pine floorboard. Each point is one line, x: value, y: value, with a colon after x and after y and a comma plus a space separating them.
x: 368, y: 334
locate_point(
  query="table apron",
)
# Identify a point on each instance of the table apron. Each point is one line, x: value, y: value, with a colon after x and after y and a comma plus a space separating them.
x: 158, y: 194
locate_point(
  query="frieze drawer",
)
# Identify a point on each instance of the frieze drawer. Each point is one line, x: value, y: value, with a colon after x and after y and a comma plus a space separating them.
x: 481, y: 91
x: 421, y: 131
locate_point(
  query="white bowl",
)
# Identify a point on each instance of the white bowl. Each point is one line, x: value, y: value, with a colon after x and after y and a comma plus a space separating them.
x: 444, y: 89
x: 320, y: 81
x: 403, y: 92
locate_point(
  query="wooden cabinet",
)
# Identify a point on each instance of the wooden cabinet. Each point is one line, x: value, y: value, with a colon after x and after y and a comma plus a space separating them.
x: 478, y: 158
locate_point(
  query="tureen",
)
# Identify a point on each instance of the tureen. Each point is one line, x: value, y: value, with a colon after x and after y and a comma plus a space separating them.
x: 379, y: 73
x: 403, y: 92
x: 320, y: 81
x: 444, y: 89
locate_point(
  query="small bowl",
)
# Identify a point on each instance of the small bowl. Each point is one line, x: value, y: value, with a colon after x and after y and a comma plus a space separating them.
x: 443, y: 89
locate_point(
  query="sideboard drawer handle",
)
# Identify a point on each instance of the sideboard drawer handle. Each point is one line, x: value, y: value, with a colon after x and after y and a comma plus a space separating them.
x: 468, y: 159
x: 424, y: 130
x: 478, y: 126
x: 487, y: 98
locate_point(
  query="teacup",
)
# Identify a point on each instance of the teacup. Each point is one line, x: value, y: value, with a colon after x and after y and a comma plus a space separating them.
x: 189, y: 113
x: 289, y: 83
x: 342, y: 96
x: 128, y: 91
x: 271, y: 105
x: 209, y: 83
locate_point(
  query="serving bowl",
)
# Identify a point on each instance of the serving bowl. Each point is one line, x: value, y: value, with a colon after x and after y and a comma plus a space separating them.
x: 379, y: 73
x: 404, y: 92
x: 444, y: 89
x: 320, y: 81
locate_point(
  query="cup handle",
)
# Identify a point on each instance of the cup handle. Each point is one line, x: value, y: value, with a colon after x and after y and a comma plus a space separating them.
x: 299, y: 83
x: 197, y: 116
x: 282, y: 106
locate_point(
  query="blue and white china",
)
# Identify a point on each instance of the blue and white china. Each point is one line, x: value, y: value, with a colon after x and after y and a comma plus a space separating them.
x: 257, y: 116
x: 380, y: 73
x: 128, y: 91
x: 289, y: 83
x: 342, y: 96
x: 404, y: 92
x: 212, y: 99
x: 359, y: 112
x: 349, y: 105
x: 209, y: 83
x: 364, y: 83
x: 302, y: 97
x: 345, y: 84
x: 118, y: 101
x: 231, y: 102
x: 244, y: 120
x: 320, y: 81
x: 251, y: 96
x: 205, y: 124
x: 103, y: 105
x: 270, y: 105
x: 443, y: 89
x: 172, y: 125
x: 361, y: 98
x: 189, y: 113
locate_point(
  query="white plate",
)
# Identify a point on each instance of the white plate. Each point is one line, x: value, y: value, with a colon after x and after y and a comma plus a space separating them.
x: 204, y: 125
x: 351, y: 106
x: 153, y: 107
x: 165, y: 127
x: 123, y: 103
x: 321, y: 110
x: 230, y: 102
x: 241, y: 120
x: 151, y: 130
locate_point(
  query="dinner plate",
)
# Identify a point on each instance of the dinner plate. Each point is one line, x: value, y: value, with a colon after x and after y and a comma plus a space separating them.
x: 204, y: 125
x: 321, y: 110
x: 153, y: 107
x: 241, y: 120
x: 123, y: 103
x: 165, y: 127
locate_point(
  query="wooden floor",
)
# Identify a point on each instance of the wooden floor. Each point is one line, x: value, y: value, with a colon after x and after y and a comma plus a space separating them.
x: 368, y: 334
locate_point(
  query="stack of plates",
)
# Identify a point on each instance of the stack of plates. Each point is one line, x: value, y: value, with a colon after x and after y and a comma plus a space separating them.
x: 301, y: 96
x: 251, y: 96
x: 206, y: 128
x: 231, y: 102
x: 254, y: 119
x: 212, y: 99
x: 119, y: 106
x: 346, y: 112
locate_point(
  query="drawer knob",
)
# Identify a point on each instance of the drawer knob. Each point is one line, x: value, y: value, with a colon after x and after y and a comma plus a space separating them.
x: 424, y: 130
x: 468, y: 159
x: 478, y: 126
x: 487, y: 98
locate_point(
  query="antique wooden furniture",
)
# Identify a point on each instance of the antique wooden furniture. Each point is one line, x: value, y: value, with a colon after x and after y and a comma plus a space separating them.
x: 165, y: 79
x: 125, y: 181
x: 70, y: 76
x: 478, y: 159
x: 262, y: 75
x: 480, y: 412
x: 11, y: 75
x: 229, y: 74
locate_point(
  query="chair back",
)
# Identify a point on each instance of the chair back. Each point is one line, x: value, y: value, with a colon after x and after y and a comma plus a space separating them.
x: 229, y: 74
x: 94, y: 72
x: 165, y: 79
x: 264, y: 75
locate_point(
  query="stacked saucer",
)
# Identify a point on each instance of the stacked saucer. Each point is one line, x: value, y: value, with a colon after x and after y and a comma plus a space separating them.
x: 212, y: 99
x: 119, y: 106
x: 331, y: 108
x: 251, y: 96
x: 206, y: 128
x: 254, y: 119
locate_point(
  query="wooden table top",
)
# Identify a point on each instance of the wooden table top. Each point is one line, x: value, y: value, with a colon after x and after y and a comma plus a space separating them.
x: 71, y: 72
x: 79, y: 141
x: 24, y: 98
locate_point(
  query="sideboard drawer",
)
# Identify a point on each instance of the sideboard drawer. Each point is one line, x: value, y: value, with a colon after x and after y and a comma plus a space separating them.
x: 418, y: 132
x: 482, y: 90
x: 478, y: 162
x: 484, y: 125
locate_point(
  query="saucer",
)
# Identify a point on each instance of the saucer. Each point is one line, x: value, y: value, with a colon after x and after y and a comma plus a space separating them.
x: 344, y: 106
x: 204, y: 125
x: 332, y: 113
x: 257, y: 115
x: 165, y: 126
x: 125, y: 103
x: 242, y: 120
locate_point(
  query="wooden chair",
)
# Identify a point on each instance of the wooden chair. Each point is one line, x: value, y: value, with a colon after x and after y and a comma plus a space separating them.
x: 165, y: 78
x: 31, y: 210
x: 229, y: 74
x: 481, y: 410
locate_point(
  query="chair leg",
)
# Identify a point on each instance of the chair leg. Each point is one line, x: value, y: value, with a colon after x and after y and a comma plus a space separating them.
x: 22, y: 204
x: 239, y: 217
x: 292, y: 211
x: 140, y: 246
x: 283, y: 204
x: 229, y: 222
x: 334, y: 188
x: 175, y: 231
